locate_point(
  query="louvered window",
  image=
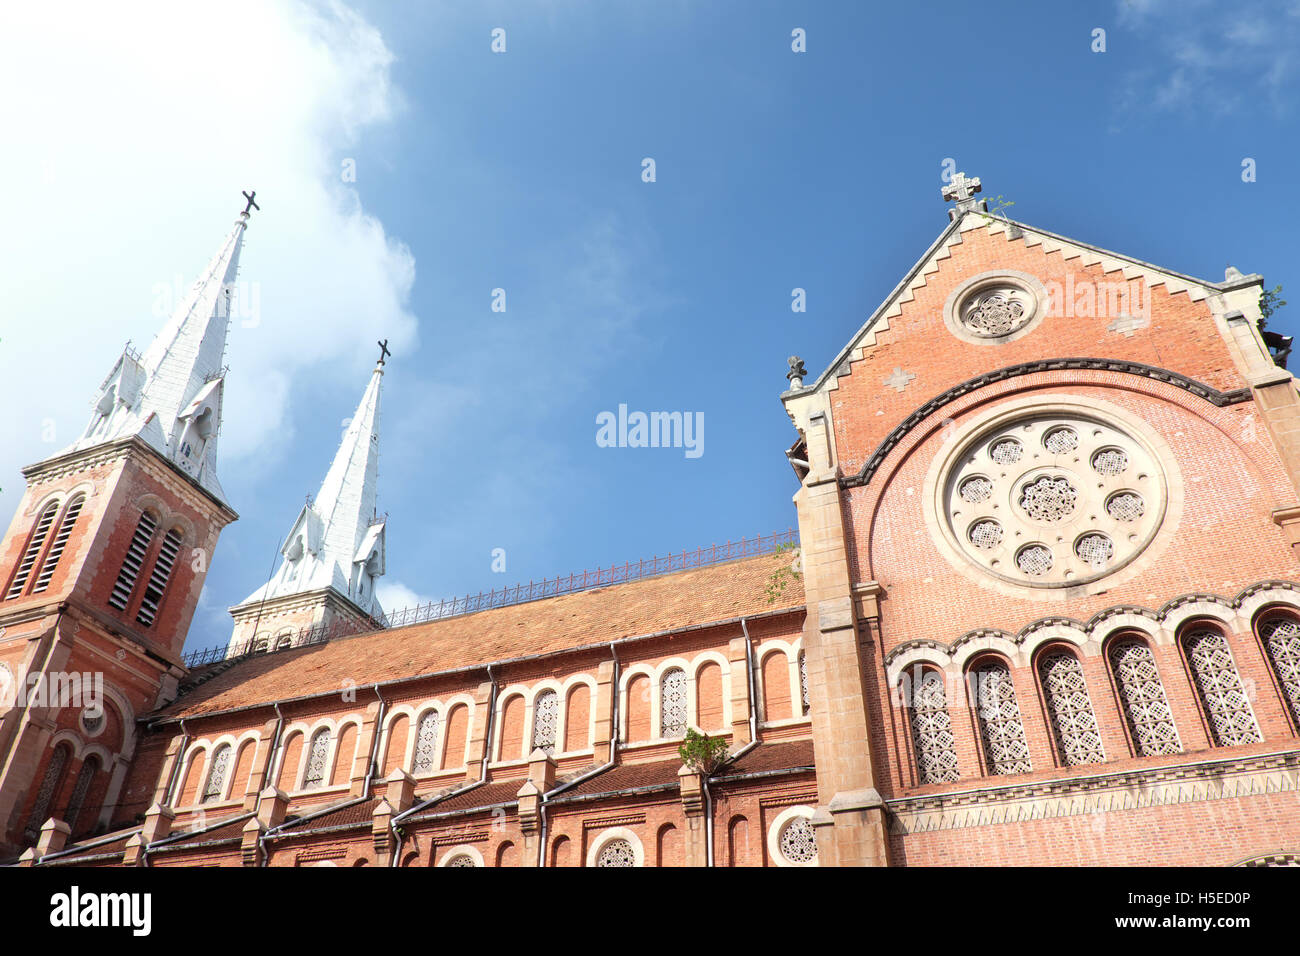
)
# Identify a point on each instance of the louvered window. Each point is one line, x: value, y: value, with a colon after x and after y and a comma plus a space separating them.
x: 133, y: 561
x: 60, y: 542
x: 162, y: 571
x: 33, y: 550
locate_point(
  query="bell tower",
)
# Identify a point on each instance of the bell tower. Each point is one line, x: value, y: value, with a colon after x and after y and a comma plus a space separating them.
x: 334, y: 553
x: 101, y: 568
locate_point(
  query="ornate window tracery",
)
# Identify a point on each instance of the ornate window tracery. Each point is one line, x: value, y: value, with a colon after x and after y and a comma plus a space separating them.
x: 1050, y: 500
x: 216, y: 784
x: 616, y: 853
x: 426, y: 744
x: 546, y: 715
x: 1006, y: 750
x: 49, y: 786
x: 1281, y: 639
x: 1074, y: 724
x: 85, y: 777
x: 461, y: 859
x: 1226, y: 705
x: 798, y: 842
x: 314, y: 777
x: 673, y: 703
x: 932, y: 738
x: 1150, y: 721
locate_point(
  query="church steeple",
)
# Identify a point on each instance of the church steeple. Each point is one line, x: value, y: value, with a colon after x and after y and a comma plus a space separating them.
x: 336, y: 544
x: 171, y: 395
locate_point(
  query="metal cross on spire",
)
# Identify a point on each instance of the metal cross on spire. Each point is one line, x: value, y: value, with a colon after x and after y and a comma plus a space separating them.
x: 383, y: 351
x: 251, y: 204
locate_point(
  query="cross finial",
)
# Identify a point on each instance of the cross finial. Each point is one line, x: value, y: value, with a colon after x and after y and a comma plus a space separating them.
x: 251, y: 204
x: 961, y: 189
x: 383, y: 351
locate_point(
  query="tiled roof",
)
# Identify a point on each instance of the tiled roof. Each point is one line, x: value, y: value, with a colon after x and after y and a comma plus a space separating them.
x: 783, y: 755
x: 352, y: 812
x: 669, y: 602
x: 232, y: 829
x: 488, y: 795
x: 628, y: 776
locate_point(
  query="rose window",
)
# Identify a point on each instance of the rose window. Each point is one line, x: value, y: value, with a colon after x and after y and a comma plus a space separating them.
x: 1051, y: 500
x: 997, y: 311
x: 617, y: 853
x: 798, y: 843
x: 1048, y: 499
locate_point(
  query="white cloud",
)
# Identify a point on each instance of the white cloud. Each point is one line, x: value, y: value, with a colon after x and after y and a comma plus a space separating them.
x: 129, y: 133
x: 395, y: 596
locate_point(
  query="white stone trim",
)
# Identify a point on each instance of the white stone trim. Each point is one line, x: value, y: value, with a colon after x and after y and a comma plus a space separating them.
x: 463, y: 849
x: 615, y: 833
x: 777, y: 827
x: 1030, y: 285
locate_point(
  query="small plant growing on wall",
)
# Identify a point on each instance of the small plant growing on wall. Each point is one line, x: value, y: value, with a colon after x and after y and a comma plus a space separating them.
x: 702, y: 753
x: 780, y: 578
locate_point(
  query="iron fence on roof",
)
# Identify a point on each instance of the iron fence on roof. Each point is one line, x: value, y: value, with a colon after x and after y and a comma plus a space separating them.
x: 586, y: 580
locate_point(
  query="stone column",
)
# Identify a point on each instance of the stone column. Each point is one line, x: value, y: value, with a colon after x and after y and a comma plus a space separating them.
x: 696, y: 846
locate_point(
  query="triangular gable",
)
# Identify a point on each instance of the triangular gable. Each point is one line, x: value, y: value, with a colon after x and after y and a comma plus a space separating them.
x: 918, y: 276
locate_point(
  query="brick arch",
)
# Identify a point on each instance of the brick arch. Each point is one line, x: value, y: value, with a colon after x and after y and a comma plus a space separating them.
x: 640, y: 690
x: 777, y: 702
x: 709, y: 702
x: 395, y: 743
x: 290, y: 758
x: 344, y: 753
x: 740, y: 851
x: 512, y: 728
x: 668, y: 845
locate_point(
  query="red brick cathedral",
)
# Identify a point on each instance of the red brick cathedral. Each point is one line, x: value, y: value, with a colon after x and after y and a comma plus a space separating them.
x: 1045, y: 611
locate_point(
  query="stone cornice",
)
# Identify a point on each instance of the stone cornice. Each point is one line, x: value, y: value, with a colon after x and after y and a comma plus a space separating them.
x: 1130, y: 790
x: 1200, y: 389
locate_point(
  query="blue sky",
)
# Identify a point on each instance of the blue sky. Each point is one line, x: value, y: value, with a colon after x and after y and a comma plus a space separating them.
x: 774, y: 170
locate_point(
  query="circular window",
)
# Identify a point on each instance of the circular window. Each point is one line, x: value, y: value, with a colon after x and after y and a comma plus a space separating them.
x: 995, y: 307
x: 617, y: 853
x: 461, y: 859
x: 1051, y: 500
x: 92, y: 721
x: 798, y: 843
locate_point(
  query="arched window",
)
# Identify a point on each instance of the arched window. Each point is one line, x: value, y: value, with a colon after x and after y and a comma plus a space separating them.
x: 1150, y: 721
x: 1281, y: 639
x: 66, y: 524
x: 34, y: 545
x: 50, y: 786
x: 426, y: 744
x: 1073, y: 723
x: 616, y: 853
x: 316, y: 757
x: 134, y: 561
x: 1226, y: 707
x: 936, y: 755
x: 79, y: 791
x: 216, y: 785
x: 1006, y: 750
x: 803, y: 681
x: 672, y: 702
x: 461, y: 859
x: 546, y: 712
x: 162, y: 572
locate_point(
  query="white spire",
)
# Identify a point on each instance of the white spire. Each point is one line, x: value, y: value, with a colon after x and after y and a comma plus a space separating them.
x: 337, y: 540
x: 171, y: 396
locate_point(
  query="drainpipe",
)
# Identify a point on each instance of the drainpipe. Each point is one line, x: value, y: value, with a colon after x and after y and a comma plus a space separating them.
x: 482, y: 777
x: 753, y: 737
x: 613, y: 749
x: 180, y: 760
x: 374, y: 742
x: 262, y: 855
